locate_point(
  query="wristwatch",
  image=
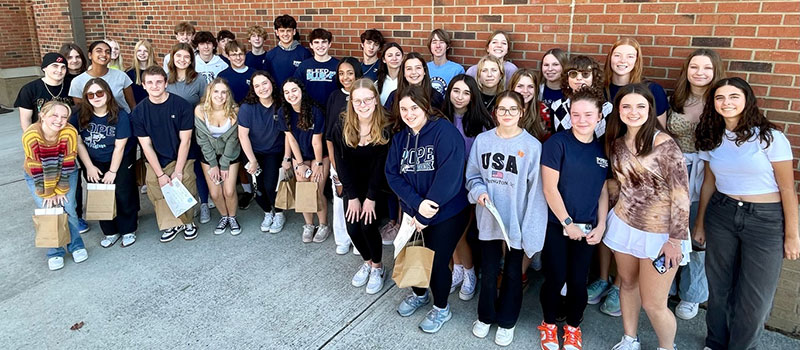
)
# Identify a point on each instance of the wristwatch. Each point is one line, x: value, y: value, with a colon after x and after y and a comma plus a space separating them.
x: 566, y: 222
x: 287, y: 159
x: 318, y: 163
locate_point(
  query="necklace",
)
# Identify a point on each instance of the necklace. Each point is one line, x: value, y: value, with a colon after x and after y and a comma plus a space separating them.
x: 60, y: 90
x: 371, y: 66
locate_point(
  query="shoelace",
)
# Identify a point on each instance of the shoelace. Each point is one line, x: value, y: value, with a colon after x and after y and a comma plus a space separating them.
x: 222, y: 222
x: 548, y: 335
x: 573, y: 336
x: 234, y: 223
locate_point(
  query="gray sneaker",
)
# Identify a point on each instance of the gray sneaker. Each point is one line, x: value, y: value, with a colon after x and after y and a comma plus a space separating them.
x: 205, y: 213
x: 411, y: 303
x: 360, y: 278
x: 375, y: 283
x: 308, y: 233
x: 277, y: 223
x: 435, y: 318
x: 322, y: 233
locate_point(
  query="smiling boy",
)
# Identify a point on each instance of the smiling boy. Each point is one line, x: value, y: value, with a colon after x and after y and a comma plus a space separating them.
x: 184, y: 33
x: 371, y: 44
x: 284, y: 58
x: 317, y: 73
x: 238, y: 74
x: 441, y: 69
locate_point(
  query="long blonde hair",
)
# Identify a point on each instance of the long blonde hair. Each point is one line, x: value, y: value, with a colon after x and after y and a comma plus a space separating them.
x: 150, y: 59
x: 118, y: 61
x: 350, y: 127
x: 501, y: 85
x: 531, y: 120
x: 230, y: 107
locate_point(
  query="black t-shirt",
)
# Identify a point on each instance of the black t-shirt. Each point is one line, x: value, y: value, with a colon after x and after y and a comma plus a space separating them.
x: 337, y: 103
x: 36, y: 93
x: 138, y: 90
x: 163, y: 123
x: 583, y: 169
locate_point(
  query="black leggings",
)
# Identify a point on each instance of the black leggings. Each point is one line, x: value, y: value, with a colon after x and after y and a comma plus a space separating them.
x: 502, y: 309
x: 267, y: 180
x: 127, y: 197
x: 366, y: 238
x: 442, y: 239
x: 564, y: 261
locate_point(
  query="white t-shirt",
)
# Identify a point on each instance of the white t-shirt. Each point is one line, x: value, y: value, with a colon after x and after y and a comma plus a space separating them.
x: 389, y: 85
x: 209, y: 69
x: 747, y: 169
x: 117, y: 80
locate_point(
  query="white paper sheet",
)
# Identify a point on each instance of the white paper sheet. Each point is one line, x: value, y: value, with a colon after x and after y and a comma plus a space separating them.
x: 178, y: 198
x: 405, y: 232
x: 492, y: 209
x: 49, y: 211
x: 101, y: 187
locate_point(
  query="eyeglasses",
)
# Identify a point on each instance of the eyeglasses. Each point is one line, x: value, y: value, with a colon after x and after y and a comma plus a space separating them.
x: 98, y: 94
x: 365, y: 101
x: 513, y: 111
x: 236, y: 54
x: 573, y: 74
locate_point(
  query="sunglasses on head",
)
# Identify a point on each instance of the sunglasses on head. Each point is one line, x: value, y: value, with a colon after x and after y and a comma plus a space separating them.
x: 99, y: 94
x: 574, y: 74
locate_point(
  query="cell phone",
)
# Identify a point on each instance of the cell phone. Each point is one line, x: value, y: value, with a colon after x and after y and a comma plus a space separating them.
x: 247, y: 167
x: 660, y: 264
x: 308, y: 173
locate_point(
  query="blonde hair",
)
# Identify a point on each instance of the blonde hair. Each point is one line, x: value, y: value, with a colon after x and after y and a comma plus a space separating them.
x: 229, y: 108
x: 49, y: 108
x: 500, y: 84
x: 150, y: 59
x: 350, y: 127
x: 118, y: 61
x: 531, y: 120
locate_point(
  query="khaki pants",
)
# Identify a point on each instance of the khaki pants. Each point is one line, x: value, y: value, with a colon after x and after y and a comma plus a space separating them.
x: 189, y: 180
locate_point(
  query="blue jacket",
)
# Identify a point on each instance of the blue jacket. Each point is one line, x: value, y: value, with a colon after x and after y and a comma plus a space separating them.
x: 428, y: 165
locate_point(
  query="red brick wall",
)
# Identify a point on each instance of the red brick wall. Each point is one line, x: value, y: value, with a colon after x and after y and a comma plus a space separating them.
x: 18, y: 48
x: 53, y: 26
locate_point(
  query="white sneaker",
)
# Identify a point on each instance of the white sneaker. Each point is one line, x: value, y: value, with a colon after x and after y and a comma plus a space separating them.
x: 342, y: 249
x: 211, y: 204
x: 686, y: 310
x: 468, y: 286
x: 308, y: 233
x: 80, y: 255
x: 355, y: 251
x: 322, y: 233
x: 504, y: 336
x: 480, y: 329
x: 55, y: 263
x: 361, y: 276
x: 109, y: 240
x: 267, y: 222
x: 277, y: 223
x: 375, y: 283
x: 627, y: 343
x: 458, y: 277
x: 144, y: 189
x: 128, y: 239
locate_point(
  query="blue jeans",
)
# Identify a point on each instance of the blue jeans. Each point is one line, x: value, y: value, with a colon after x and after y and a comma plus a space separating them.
x: 76, y: 242
x: 693, y: 286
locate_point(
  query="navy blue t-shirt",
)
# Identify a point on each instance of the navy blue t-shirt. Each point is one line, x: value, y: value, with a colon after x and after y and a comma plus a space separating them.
x: 256, y: 62
x: 138, y: 90
x: 238, y: 82
x: 282, y: 63
x: 163, y: 123
x: 266, y: 128
x: 99, y: 137
x: 318, y: 77
x: 304, y: 137
x: 549, y: 96
x: 370, y: 70
x: 583, y: 169
x: 660, y: 96
x: 337, y: 103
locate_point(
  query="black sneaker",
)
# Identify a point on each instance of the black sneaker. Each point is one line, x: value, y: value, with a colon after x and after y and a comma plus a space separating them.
x: 169, y: 234
x: 191, y: 232
x: 235, y: 228
x: 221, y: 226
x: 245, y: 199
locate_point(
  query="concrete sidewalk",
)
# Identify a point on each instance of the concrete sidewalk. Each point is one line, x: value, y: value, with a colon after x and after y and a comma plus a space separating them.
x: 251, y: 291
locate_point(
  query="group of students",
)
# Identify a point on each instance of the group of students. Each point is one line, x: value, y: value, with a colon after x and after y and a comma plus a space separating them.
x: 570, y: 156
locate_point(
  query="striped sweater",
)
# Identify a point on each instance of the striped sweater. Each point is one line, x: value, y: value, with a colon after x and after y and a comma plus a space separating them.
x: 50, y: 163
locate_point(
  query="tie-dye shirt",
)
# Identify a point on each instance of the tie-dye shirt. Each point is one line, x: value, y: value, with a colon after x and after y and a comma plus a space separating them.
x: 50, y: 163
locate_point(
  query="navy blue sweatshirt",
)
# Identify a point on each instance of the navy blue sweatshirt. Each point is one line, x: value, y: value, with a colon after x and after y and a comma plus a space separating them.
x: 428, y: 165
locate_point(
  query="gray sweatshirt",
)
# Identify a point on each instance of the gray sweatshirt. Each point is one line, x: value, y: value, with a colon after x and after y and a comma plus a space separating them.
x: 508, y: 170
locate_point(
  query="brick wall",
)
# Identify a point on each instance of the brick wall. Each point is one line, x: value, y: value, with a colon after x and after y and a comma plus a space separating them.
x: 757, y: 39
x: 18, y: 47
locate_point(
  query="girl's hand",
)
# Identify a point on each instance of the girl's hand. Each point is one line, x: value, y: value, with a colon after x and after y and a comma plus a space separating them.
x: 93, y: 174
x: 55, y: 201
x: 791, y: 248
x: 300, y: 172
x: 213, y: 173
x: 316, y: 172
x: 428, y: 208
x: 109, y: 177
x: 574, y: 232
x: 368, y: 211
x: 483, y: 198
x: 596, y: 235
x: 353, y: 210
x: 699, y: 234
x: 672, y: 253
x: 286, y: 164
x: 223, y: 175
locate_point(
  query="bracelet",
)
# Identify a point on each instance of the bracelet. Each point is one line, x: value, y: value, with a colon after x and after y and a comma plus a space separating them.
x: 113, y: 172
x: 287, y: 159
x: 674, y: 245
x: 162, y: 174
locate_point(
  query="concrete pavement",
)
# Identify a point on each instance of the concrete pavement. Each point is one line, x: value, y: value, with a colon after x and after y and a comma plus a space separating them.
x: 251, y: 291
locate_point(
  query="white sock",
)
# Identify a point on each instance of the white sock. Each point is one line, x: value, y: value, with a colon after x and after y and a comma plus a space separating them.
x: 457, y: 267
x: 247, y: 188
x: 470, y: 271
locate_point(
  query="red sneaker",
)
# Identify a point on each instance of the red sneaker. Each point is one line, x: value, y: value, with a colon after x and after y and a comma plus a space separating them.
x: 572, y: 338
x: 549, y: 336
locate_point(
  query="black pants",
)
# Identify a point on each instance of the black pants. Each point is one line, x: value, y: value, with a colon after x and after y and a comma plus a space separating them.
x: 564, y: 261
x: 442, y: 238
x: 267, y: 180
x: 502, y: 309
x: 366, y: 238
x: 127, y: 197
x: 79, y: 192
x: 743, y: 265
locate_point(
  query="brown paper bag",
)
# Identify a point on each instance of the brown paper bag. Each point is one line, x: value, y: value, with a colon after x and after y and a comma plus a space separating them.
x: 164, y: 215
x: 284, y: 199
x: 412, y: 267
x: 141, y: 171
x: 307, y: 199
x: 52, y: 228
x: 101, y: 203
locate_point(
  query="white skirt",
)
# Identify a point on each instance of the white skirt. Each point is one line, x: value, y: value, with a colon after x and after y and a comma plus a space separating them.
x: 621, y: 237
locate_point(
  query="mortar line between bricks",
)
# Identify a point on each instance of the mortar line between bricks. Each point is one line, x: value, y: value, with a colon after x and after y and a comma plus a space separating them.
x: 349, y: 322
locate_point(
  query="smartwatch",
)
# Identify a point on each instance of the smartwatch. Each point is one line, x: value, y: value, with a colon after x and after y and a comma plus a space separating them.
x: 567, y: 222
x: 318, y: 163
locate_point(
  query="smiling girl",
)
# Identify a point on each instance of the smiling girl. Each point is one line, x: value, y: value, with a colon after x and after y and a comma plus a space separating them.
x: 118, y: 81
x: 497, y: 46
x: 624, y: 65
x: 491, y: 80
x: 389, y: 70
x: 144, y: 57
